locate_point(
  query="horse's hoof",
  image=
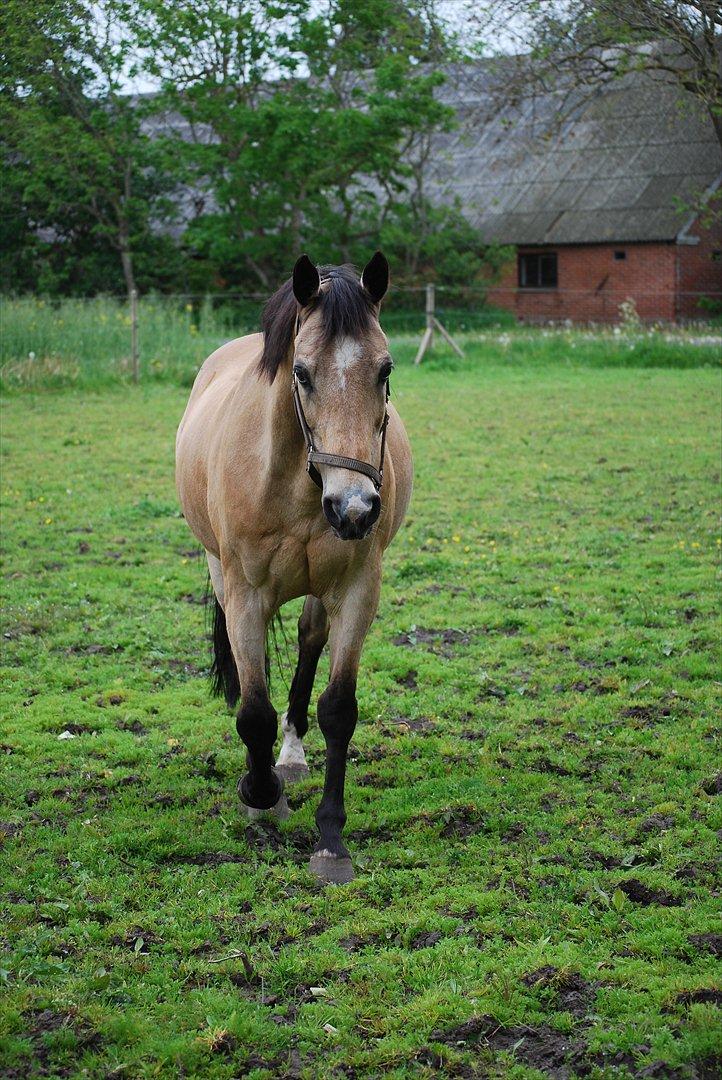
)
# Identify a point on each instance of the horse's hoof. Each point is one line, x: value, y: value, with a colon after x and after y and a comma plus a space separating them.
x: 331, y: 869
x: 292, y: 773
x: 280, y: 811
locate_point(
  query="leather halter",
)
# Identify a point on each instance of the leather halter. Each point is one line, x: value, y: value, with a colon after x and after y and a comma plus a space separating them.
x: 338, y: 461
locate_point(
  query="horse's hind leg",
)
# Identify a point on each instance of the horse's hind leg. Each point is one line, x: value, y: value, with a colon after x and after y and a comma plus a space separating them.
x: 312, y: 636
x: 257, y: 721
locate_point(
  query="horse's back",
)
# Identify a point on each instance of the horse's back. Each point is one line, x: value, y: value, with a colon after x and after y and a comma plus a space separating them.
x: 223, y: 367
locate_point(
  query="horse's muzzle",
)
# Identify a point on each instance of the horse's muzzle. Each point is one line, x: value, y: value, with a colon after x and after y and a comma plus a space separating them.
x: 352, y: 515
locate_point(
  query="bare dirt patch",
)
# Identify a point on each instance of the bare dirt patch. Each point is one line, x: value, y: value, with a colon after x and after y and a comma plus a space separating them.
x: 567, y: 991
x: 42, y: 1022
x: 552, y: 1052
x: 639, y: 893
x: 707, y: 943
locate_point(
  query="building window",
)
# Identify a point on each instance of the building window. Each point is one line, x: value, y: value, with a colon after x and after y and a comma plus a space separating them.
x: 619, y: 255
x: 538, y: 271
x: 717, y: 256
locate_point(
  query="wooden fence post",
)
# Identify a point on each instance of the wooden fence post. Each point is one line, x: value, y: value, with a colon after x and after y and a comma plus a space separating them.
x: 432, y: 323
x: 134, y: 357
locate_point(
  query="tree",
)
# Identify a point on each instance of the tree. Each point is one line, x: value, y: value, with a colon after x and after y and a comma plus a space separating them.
x: 300, y: 116
x: 583, y: 45
x: 84, y: 168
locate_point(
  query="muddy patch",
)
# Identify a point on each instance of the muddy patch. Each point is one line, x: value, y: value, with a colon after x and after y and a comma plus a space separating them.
x: 707, y: 943
x: 550, y: 1051
x: 564, y: 991
x: 403, y: 725
x: 408, y: 680
x: 705, y: 996
x: 545, y: 765
x: 713, y: 786
x: 426, y: 940
x: 473, y: 735
x: 646, y: 715
x: 42, y: 1022
x: 75, y: 729
x: 656, y: 823
x: 93, y: 649
x: 461, y: 822
x: 136, y: 939
x: 133, y: 726
x: 554, y: 1053
x: 366, y: 756
x: 639, y: 893
x: 441, y: 642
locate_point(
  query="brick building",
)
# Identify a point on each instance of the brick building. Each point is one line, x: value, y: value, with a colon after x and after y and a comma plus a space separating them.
x: 598, y: 205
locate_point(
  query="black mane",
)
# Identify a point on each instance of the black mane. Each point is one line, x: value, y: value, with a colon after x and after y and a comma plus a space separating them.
x: 345, y: 307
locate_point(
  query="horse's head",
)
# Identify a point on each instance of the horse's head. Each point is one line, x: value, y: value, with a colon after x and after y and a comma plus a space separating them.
x: 341, y: 367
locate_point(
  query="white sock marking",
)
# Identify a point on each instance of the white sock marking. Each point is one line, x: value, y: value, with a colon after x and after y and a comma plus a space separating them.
x: 292, y: 752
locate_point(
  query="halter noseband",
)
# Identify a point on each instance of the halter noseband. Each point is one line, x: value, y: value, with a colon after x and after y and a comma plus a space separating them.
x: 316, y: 457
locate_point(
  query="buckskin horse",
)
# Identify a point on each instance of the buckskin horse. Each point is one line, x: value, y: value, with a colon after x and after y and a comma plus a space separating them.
x: 272, y: 418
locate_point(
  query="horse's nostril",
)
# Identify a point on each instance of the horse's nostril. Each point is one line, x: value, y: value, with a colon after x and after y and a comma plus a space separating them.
x: 374, y: 510
x: 331, y: 507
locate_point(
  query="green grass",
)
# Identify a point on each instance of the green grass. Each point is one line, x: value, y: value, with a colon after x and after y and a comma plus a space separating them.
x: 86, y: 343
x: 533, y: 790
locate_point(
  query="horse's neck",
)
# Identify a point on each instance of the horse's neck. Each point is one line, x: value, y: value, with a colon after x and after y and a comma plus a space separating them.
x: 285, y: 438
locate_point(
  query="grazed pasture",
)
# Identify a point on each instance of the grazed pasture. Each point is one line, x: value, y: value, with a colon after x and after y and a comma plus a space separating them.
x: 534, y: 792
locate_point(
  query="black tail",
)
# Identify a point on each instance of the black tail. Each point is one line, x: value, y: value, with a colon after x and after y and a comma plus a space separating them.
x: 224, y: 673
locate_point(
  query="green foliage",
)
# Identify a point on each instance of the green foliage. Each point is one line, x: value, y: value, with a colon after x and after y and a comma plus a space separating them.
x: 307, y: 111
x: 533, y: 789
x: 276, y: 127
x: 84, y: 172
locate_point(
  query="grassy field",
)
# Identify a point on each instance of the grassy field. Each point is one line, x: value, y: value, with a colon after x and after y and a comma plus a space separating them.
x: 86, y: 343
x: 534, y: 790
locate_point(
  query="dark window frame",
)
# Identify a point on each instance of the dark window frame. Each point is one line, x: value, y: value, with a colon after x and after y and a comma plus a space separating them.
x: 620, y: 255
x: 537, y: 270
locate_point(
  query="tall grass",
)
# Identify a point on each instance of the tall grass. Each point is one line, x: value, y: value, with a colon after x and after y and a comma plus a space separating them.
x: 51, y: 344
x: 87, y: 342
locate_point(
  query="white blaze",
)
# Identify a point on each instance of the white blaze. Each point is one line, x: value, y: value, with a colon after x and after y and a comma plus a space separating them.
x: 348, y: 352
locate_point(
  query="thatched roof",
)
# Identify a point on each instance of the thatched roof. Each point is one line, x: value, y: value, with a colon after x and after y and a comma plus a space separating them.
x: 615, y: 168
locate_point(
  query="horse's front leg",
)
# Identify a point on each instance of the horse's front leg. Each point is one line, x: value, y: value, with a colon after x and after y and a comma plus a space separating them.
x: 247, y: 616
x: 312, y: 636
x: 337, y: 716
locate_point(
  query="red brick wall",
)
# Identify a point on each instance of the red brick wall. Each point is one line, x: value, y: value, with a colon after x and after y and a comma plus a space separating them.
x: 591, y: 284
x: 698, y: 273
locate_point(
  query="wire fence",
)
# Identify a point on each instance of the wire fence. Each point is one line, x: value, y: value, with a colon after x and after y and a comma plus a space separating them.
x: 63, y: 341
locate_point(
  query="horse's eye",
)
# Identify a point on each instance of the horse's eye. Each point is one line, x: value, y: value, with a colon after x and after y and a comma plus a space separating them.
x: 302, y: 375
x: 385, y: 373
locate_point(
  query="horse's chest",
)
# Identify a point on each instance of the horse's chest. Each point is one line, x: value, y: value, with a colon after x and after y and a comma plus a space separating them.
x: 287, y: 567
x: 277, y: 563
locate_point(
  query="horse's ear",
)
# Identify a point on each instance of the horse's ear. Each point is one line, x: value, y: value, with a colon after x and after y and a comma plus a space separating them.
x: 375, y: 277
x: 306, y: 281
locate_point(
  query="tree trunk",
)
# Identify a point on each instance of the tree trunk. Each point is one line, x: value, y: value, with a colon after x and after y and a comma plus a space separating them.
x: 126, y: 258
